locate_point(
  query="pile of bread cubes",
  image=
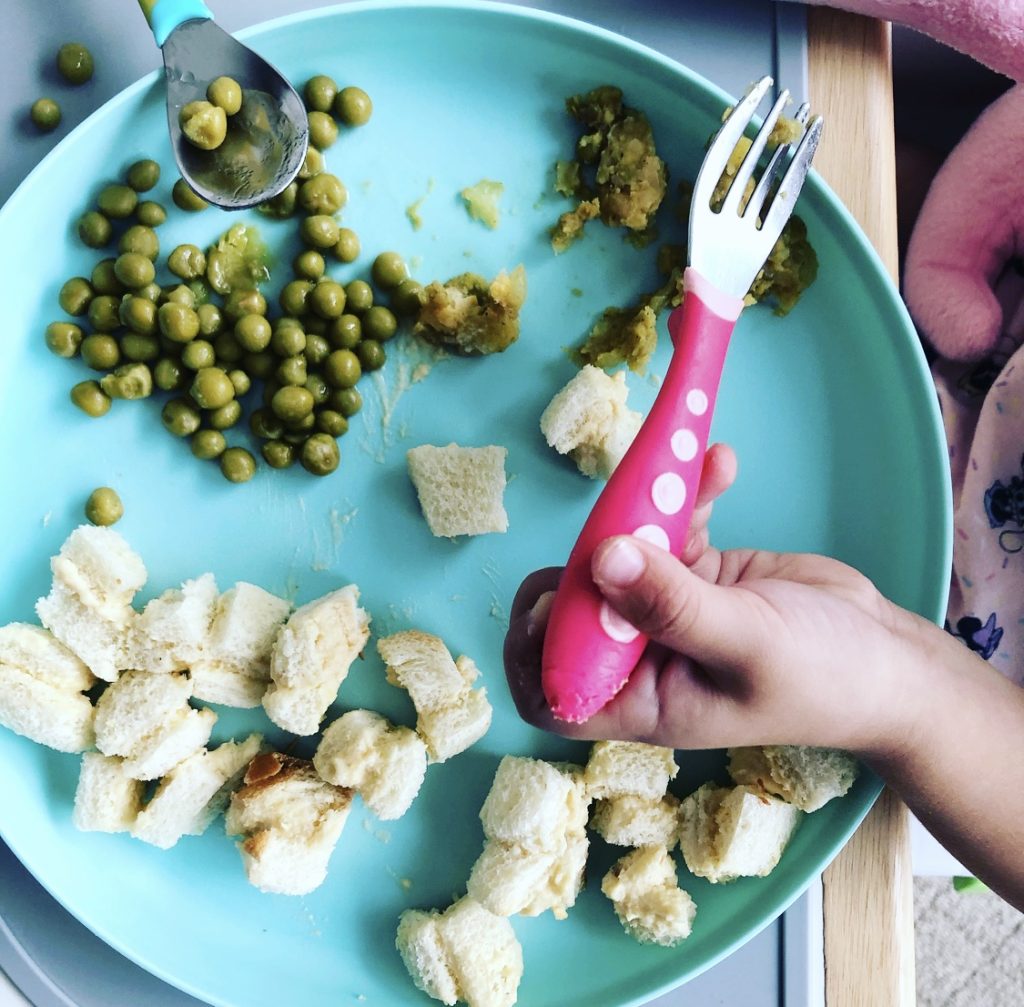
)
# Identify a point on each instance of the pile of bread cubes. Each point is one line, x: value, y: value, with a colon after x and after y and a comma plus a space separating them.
x: 119, y: 686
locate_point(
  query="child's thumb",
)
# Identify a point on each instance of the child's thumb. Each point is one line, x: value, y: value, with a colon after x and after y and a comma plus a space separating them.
x: 668, y: 603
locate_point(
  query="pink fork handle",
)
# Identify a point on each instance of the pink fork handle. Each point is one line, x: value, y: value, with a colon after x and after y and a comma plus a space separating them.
x: 589, y: 649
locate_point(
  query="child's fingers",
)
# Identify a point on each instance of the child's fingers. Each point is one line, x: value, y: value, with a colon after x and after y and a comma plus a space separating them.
x: 716, y: 476
x: 667, y: 602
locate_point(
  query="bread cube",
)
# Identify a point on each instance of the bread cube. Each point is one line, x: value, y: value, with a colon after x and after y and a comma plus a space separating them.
x: 629, y: 768
x: 460, y: 489
x: 589, y: 421
x: 107, y: 798
x: 465, y: 953
x: 637, y: 821
x: 41, y: 689
x: 731, y: 832
x: 385, y: 764
x: 647, y: 898
x: 188, y: 798
x: 452, y: 729
x: 806, y: 777
x: 233, y: 668
x: 311, y: 656
x: 184, y: 733
x: 507, y: 878
x: 172, y: 631
x: 135, y: 706
x: 290, y: 820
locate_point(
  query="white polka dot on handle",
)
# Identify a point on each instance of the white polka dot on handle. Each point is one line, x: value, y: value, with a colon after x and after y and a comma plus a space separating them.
x: 619, y: 629
x: 697, y: 402
x: 654, y: 534
x: 669, y: 493
x: 684, y: 445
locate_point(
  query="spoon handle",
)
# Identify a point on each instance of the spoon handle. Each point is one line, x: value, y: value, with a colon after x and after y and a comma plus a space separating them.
x: 165, y: 15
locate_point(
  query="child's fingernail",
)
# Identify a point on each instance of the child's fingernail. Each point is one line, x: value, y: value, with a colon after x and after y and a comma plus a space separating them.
x: 538, y: 615
x: 620, y: 565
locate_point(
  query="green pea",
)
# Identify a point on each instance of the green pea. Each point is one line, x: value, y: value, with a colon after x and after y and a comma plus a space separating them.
x: 139, y: 348
x: 244, y: 302
x: 100, y: 352
x: 128, y: 381
x: 90, y: 398
x: 226, y: 416
x: 327, y: 299
x: 140, y: 239
x: 241, y: 382
x: 197, y: 355
x: 388, y: 270
x: 323, y: 194
x: 260, y: 365
x: 150, y: 213
x: 227, y: 349
x: 117, y: 201
x: 64, y: 339
x: 320, y: 454
x: 359, y: 296
x: 332, y: 423
x: 237, y: 465
x: 252, y: 333
x: 203, y: 124
x: 169, y: 375
x: 288, y: 340
x: 345, y: 332
x: 318, y: 388
x: 292, y: 403
x: 94, y: 229
x: 342, y: 369
x: 323, y: 130
x: 319, y: 93
x: 151, y: 292
x: 353, y: 106
x: 317, y: 349
x: 104, y: 279
x: 292, y: 371
x: 187, y: 261
x: 346, y: 401
x: 45, y: 113
x: 181, y: 294
x: 309, y: 265
x: 207, y: 444
x: 211, y: 387
x: 379, y: 323
x: 283, y: 204
x: 74, y: 63
x: 277, y: 454
x: 320, y: 231
x: 347, y: 247
x: 134, y: 270
x: 296, y: 431
x: 293, y: 297
x: 211, y: 320
x: 138, y: 314
x: 104, y: 507
x: 372, y: 356
x: 178, y: 322
x: 405, y: 298
x: 265, y: 424
x: 312, y: 163
x: 180, y: 417
x: 104, y: 313
x: 186, y: 199
x: 143, y: 175
x: 225, y: 93
x: 75, y: 296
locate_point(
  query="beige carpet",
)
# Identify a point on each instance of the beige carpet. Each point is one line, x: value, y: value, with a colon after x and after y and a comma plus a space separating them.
x: 970, y: 948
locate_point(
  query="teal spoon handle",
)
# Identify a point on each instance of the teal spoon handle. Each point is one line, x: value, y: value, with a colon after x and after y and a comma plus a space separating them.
x: 165, y: 15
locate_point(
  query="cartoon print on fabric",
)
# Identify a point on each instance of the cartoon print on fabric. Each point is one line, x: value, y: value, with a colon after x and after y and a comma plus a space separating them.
x: 1004, y: 505
x: 982, y: 638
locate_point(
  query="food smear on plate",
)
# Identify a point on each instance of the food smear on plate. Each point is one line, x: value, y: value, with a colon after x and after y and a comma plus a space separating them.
x: 482, y: 201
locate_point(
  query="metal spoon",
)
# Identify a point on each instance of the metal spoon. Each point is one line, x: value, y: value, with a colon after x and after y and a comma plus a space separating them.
x: 267, y: 139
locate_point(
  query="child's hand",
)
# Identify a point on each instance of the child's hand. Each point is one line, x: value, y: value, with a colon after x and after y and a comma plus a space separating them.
x: 747, y: 647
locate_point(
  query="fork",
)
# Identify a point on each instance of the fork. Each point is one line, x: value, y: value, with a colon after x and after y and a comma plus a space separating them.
x: 589, y: 649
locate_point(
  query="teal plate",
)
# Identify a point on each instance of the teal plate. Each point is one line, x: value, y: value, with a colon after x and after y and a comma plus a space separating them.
x: 830, y: 409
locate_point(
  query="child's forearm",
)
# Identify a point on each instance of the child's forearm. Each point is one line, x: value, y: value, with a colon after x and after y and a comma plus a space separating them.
x: 960, y: 765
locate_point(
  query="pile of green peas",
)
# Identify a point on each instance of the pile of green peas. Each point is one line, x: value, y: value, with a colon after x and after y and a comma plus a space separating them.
x: 309, y: 350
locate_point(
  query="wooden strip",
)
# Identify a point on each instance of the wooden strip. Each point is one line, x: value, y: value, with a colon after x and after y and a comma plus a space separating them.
x: 868, y: 890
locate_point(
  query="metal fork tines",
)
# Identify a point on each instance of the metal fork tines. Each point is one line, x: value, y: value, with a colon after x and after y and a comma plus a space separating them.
x: 730, y: 243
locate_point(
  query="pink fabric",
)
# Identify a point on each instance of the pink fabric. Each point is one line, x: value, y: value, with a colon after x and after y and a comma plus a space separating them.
x: 990, y: 31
